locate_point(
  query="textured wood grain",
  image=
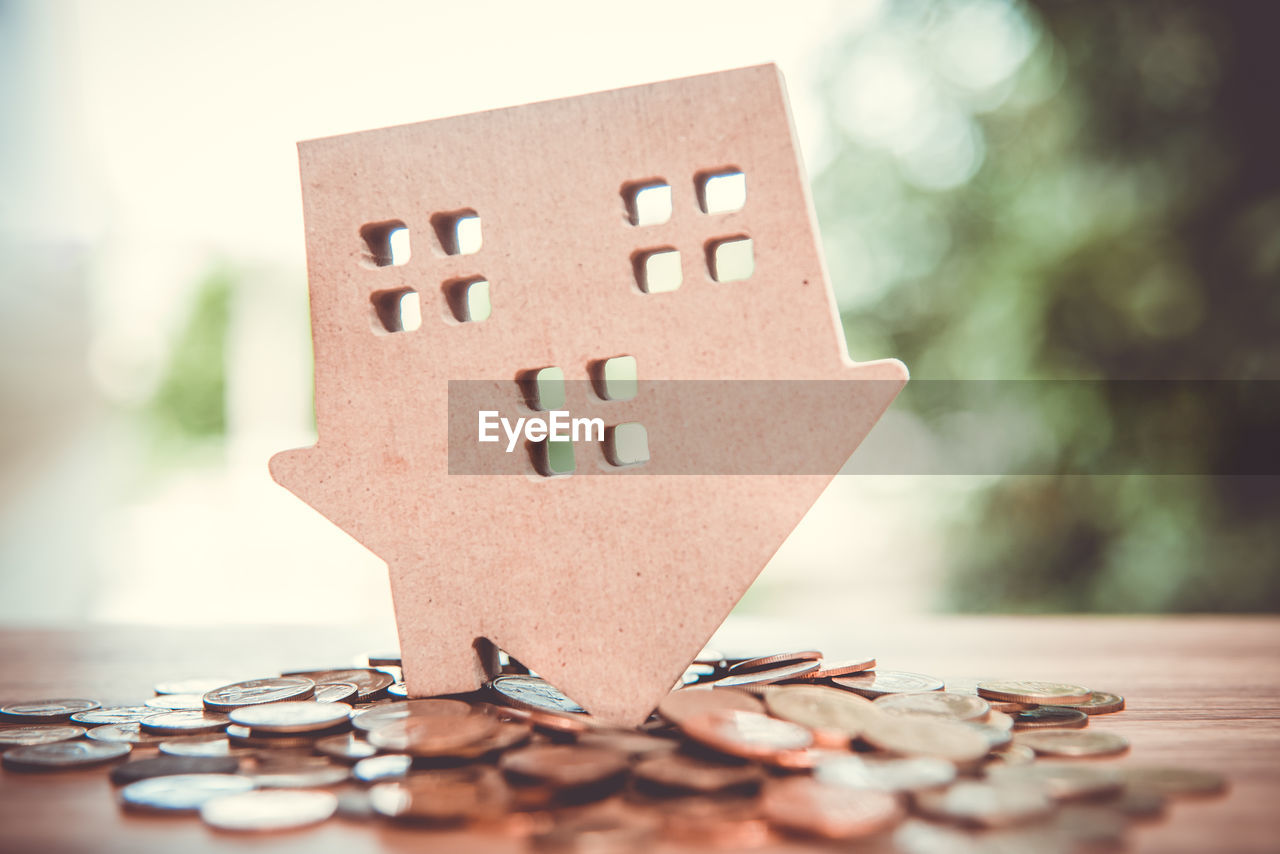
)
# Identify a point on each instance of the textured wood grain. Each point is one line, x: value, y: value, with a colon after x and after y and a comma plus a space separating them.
x: 1201, y: 692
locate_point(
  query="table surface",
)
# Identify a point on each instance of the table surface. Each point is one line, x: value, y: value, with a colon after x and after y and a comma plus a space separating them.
x: 1201, y: 692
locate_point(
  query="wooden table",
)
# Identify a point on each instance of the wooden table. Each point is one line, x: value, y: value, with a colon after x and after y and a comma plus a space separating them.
x: 1201, y: 692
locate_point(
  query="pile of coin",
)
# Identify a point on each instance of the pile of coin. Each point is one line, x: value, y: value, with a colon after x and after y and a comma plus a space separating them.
x: 741, y: 752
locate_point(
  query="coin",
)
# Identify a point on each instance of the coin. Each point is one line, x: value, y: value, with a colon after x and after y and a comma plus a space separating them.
x: 941, y: 704
x: 197, y: 685
x: 689, y: 702
x: 1050, y: 716
x: 255, y: 691
x: 346, y: 747
x: 507, y: 735
x: 336, y: 692
x: 770, y: 662
x: 300, y: 776
x: 880, y: 682
x: 431, y: 736
x: 911, y: 735
x: 1101, y: 703
x: 986, y: 804
x: 676, y: 771
x: 441, y: 795
x: 61, y: 755
x: 113, y: 715
x: 165, y: 766
x: 292, y: 716
x: 215, y: 746
x: 1173, y: 781
x: 1014, y: 754
x: 180, y: 792
x: 17, y: 735
x: 268, y: 810
x: 822, y: 708
x: 749, y: 735
x: 719, y: 823
x: 634, y: 744
x: 997, y: 737
x: 531, y: 692
x: 390, y: 766
x: 768, y: 676
x: 242, y: 736
x: 564, y: 766
x: 828, y: 668
x: 184, y: 723
x: 885, y: 775
x: 806, y: 806
x: 370, y: 683
x: 176, y: 703
x: 130, y: 733
x: 399, y: 690
x: 370, y: 718
x: 1073, y: 742
x: 44, y: 711
x: 1022, y: 691
x: 1063, y: 781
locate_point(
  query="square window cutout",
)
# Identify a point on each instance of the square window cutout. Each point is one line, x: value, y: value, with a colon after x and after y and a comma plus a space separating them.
x: 627, y: 444
x: 658, y: 271
x: 554, y: 458
x: 722, y: 192
x: 731, y: 260
x: 387, y: 243
x: 468, y: 300
x: 458, y: 232
x: 648, y: 202
x: 396, y: 311
x: 616, y: 378
x: 543, y: 388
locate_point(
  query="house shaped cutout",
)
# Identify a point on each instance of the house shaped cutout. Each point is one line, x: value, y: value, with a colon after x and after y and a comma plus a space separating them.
x: 669, y: 223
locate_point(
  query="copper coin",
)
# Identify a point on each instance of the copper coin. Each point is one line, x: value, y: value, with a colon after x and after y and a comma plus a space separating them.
x: 986, y: 804
x: 769, y: 676
x: 44, y: 711
x: 292, y: 716
x: 1025, y: 691
x: 805, y: 806
x: 1101, y: 703
x: 770, y: 662
x: 685, y: 773
x: 827, y: 668
x: 432, y: 736
x: 564, y: 766
x: 508, y: 734
x: 25, y: 736
x: 716, y: 823
x: 113, y: 715
x: 371, y: 683
x: 879, y: 682
x: 822, y: 709
x: 442, y: 795
x: 630, y: 742
x: 531, y: 692
x: 184, y: 723
x: 242, y: 736
x: 256, y: 691
x: 1043, y: 717
x: 747, y: 734
x: 378, y: 715
x: 614, y: 830
x: 940, y: 704
x: 268, y: 810
x: 690, y: 702
x: 62, y: 755
x: 1073, y: 742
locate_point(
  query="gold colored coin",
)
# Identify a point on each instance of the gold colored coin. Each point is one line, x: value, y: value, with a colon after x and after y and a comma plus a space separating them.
x: 1023, y: 691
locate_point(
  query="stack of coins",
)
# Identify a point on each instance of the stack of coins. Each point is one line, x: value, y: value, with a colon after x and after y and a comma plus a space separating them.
x: 740, y: 753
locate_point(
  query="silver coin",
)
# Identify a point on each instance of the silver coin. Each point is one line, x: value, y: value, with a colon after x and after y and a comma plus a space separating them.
x: 378, y: 715
x: 219, y: 746
x: 372, y: 683
x: 63, y: 754
x: 986, y: 804
x: 294, y: 716
x: 181, y: 792
x: 113, y: 715
x: 876, y: 683
x: 18, y: 735
x: 885, y: 775
x: 253, y: 692
x: 197, y: 685
x: 399, y: 690
x: 184, y: 723
x: 336, y: 692
x: 44, y: 711
x: 267, y: 811
x: 177, y: 703
x: 165, y: 766
x: 302, y: 777
x: 130, y: 733
x: 345, y: 748
x: 389, y: 767
x: 939, y: 704
x: 532, y: 692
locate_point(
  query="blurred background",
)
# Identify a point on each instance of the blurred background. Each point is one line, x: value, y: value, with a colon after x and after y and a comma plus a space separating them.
x: 1007, y: 189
